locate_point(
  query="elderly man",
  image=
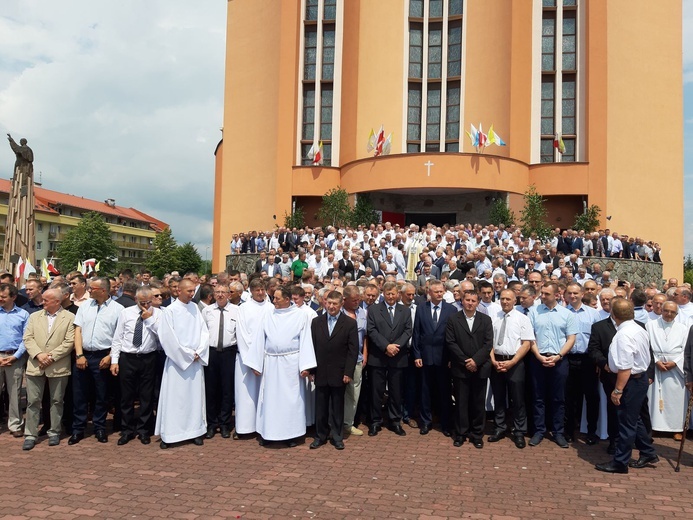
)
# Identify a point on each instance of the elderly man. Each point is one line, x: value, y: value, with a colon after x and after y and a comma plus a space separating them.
x: 667, y: 393
x: 49, y: 340
x: 629, y: 358
x: 95, y: 326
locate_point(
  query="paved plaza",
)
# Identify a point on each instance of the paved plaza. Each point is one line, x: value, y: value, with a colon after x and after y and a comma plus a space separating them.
x: 382, y: 477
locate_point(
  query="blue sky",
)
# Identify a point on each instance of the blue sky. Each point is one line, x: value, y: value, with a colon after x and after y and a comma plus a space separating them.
x: 124, y: 100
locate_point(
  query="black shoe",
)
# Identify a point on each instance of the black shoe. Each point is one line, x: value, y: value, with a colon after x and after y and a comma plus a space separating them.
x: 425, y: 429
x: 644, y: 462
x: 225, y: 432
x: 316, y: 444
x: 536, y: 439
x: 591, y: 440
x: 496, y: 436
x: 291, y: 443
x: 406, y: 421
x: 163, y: 445
x: 373, y: 430
x: 478, y: 443
x: 101, y: 436
x: 124, y: 439
x: 568, y: 438
x: 145, y: 439
x: 75, y: 438
x: 612, y: 467
x: 560, y: 440
x: 211, y: 431
x: 198, y: 441
x: 519, y: 440
x: 447, y: 433
x: 261, y: 441
x: 459, y: 441
x: 397, y: 430
x: 611, y: 448
x: 339, y: 445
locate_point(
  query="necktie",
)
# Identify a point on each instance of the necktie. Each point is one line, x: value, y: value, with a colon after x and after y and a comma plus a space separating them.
x: 137, y: 336
x: 392, y: 314
x: 220, y: 341
x: 331, y: 320
x: 501, y: 334
x: 435, y: 315
x: 525, y: 310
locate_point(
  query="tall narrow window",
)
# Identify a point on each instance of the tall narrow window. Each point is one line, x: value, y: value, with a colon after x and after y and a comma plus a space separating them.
x: 559, y: 80
x: 435, y: 71
x: 320, y: 42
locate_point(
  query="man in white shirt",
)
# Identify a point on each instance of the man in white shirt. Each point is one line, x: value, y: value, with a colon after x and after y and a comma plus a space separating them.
x: 220, y: 319
x: 629, y: 358
x: 513, y: 336
x: 134, y: 362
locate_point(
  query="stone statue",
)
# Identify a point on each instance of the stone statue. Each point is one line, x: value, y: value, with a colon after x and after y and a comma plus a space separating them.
x: 25, y: 155
x: 20, y: 235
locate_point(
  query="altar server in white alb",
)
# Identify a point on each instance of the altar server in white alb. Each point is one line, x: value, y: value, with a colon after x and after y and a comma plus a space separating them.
x: 248, y: 331
x: 185, y: 339
x: 667, y: 394
x: 283, y: 356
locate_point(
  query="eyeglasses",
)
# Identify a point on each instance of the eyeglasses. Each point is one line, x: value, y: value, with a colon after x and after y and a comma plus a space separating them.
x: 157, y: 296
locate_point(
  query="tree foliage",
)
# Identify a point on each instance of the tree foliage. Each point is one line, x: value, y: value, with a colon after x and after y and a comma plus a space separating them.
x: 162, y: 258
x: 297, y: 219
x: 188, y: 259
x: 501, y: 213
x: 688, y: 270
x: 91, y: 238
x: 589, y: 220
x: 534, y: 214
x: 363, y: 212
x: 335, y: 209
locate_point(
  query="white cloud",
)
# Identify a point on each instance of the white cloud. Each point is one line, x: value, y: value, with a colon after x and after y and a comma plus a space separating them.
x: 119, y: 99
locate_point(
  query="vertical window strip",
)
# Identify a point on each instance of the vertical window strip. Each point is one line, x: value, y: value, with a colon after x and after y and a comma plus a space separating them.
x: 328, y: 43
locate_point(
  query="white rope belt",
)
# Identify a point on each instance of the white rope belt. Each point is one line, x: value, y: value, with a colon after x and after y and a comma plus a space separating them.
x: 284, y: 354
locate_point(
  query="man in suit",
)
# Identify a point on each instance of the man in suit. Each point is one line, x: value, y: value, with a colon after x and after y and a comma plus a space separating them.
x: 336, y: 343
x: 389, y: 330
x: 345, y: 264
x: 271, y: 267
x: 173, y: 289
x: 469, y: 339
x: 454, y: 273
x: 49, y: 339
x: 261, y: 262
x: 428, y: 346
x: 425, y: 276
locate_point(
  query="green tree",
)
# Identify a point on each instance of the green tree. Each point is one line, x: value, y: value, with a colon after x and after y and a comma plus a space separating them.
x: 533, y: 214
x: 296, y: 220
x: 589, y: 220
x: 363, y: 212
x: 91, y: 238
x: 688, y: 270
x: 501, y: 213
x: 162, y: 258
x: 335, y: 209
x: 188, y: 259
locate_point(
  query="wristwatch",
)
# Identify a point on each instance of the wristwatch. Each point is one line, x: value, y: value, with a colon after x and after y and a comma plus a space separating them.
x: 80, y: 355
x: 617, y: 391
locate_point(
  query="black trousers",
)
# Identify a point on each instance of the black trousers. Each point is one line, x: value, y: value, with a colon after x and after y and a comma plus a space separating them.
x: 380, y: 378
x: 582, y: 382
x: 631, y: 428
x: 470, y: 406
x: 609, y: 381
x: 509, y: 386
x: 435, y: 394
x: 329, y: 412
x: 137, y: 374
x: 219, y: 381
x: 81, y: 380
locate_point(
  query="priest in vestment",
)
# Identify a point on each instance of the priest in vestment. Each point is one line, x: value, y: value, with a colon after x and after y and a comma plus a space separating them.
x: 248, y: 330
x: 185, y: 339
x: 283, y: 357
x: 667, y: 394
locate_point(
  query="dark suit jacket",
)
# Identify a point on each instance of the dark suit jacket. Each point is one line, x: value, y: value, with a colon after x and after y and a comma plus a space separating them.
x: 126, y: 301
x: 428, y: 341
x: 346, y: 267
x: 271, y: 269
x: 601, y: 335
x: 381, y: 333
x: 336, y: 355
x: 258, y: 265
x: 457, y: 274
x: 331, y: 270
x: 462, y: 344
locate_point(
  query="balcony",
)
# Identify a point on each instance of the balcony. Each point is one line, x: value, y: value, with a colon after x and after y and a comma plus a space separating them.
x: 124, y: 244
x: 56, y: 237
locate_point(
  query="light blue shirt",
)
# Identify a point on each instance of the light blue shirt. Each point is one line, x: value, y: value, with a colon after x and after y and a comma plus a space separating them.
x: 12, y: 326
x: 98, y: 323
x: 552, y: 327
x: 584, y: 317
x: 362, y: 325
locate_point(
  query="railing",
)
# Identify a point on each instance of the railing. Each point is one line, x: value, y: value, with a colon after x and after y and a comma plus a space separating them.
x: 124, y: 244
x: 56, y: 237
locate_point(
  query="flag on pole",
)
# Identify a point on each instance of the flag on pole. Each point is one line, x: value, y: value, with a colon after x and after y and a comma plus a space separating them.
x: 379, y: 141
x: 80, y: 267
x: 19, y: 271
x: 558, y: 143
x: 97, y: 267
x: 28, y: 269
x: 315, y: 154
x: 88, y: 265
x: 387, y: 145
x: 473, y: 135
x: 44, y: 270
x: 370, y: 147
x: 494, y: 138
x: 51, y: 267
x: 483, y: 138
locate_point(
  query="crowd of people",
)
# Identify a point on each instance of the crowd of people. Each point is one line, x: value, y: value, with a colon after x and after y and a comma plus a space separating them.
x: 383, y: 327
